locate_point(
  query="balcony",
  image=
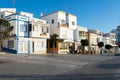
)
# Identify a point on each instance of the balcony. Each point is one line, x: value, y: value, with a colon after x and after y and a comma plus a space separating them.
x: 80, y: 38
x: 66, y: 25
x: 38, y: 34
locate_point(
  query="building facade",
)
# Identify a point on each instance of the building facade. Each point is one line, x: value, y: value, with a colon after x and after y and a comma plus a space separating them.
x: 64, y: 25
x: 32, y: 35
x: 79, y: 34
x: 19, y: 42
x: 94, y: 37
x: 109, y: 38
x: 29, y: 35
x: 117, y: 32
x: 6, y: 11
x: 39, y: 33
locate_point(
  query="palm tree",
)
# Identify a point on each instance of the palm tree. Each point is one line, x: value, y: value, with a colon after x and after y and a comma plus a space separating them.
x: 53, y: 39
x: 100, y: 45
x: 5, y: 29
x: 84, y: 42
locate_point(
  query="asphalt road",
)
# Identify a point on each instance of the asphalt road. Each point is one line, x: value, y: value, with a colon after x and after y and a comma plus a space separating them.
x: 59, y: 67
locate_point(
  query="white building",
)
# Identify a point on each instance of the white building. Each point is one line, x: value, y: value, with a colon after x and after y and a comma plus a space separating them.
x: 109, y: 38
x: 80, y: 33
x: 98, y: 33
x: 94, y: 37
x: 39, y: 33
x: 62, y: 24
x: 19, y: 40
x: 29, y: 34
x: 6, y: 11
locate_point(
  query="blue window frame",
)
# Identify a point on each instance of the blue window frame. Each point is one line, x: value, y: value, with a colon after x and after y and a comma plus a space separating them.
x: 23, y: 27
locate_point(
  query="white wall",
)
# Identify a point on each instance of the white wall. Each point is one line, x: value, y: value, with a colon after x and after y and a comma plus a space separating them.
x: 70, y: 35
x: 63, y: 33
x: 14, y: 24
x: 72, y: 18
x: 61, y: 17
x: 30, y: 15
x: 39, y: 46
x: 53, y: 27
x: 8, y: 9
x: 23, y: 45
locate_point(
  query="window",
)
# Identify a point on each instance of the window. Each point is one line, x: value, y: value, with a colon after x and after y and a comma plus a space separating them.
x: 30, y: 27
x: 52, y: 21
x: 45, y: 29
x: 23, y: 28
x: 35, y: 28
x: 73, y: 23
x: 62, y: 21
x: 11, y: 44
x: 58, y: 23
x: 63, y: 46
x: 1, y: 16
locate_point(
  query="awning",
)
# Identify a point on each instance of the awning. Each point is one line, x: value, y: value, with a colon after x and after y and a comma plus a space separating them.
x: 114, y: 45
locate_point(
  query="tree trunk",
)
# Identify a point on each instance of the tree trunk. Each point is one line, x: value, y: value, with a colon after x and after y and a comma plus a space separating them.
x: 53, y: 49
x: 0, y: 48
x: 83, y: 50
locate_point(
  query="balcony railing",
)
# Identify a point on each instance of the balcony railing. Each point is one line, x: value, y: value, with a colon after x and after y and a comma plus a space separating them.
x: 37, y: 34
x: 63, y: 25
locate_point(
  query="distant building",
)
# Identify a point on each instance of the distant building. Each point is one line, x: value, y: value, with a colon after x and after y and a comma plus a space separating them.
x: 94, y: 36
x: 109, y: 38
x: 117, y: 32
x: 80, y: 33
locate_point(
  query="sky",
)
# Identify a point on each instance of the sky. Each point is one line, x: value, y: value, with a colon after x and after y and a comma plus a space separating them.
x: 103, y: 15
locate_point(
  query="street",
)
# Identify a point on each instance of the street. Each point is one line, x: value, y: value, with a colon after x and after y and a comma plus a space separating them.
x: 59, y: 67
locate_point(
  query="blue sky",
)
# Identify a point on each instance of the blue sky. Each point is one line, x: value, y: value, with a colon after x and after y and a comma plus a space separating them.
x: 103, y: 15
